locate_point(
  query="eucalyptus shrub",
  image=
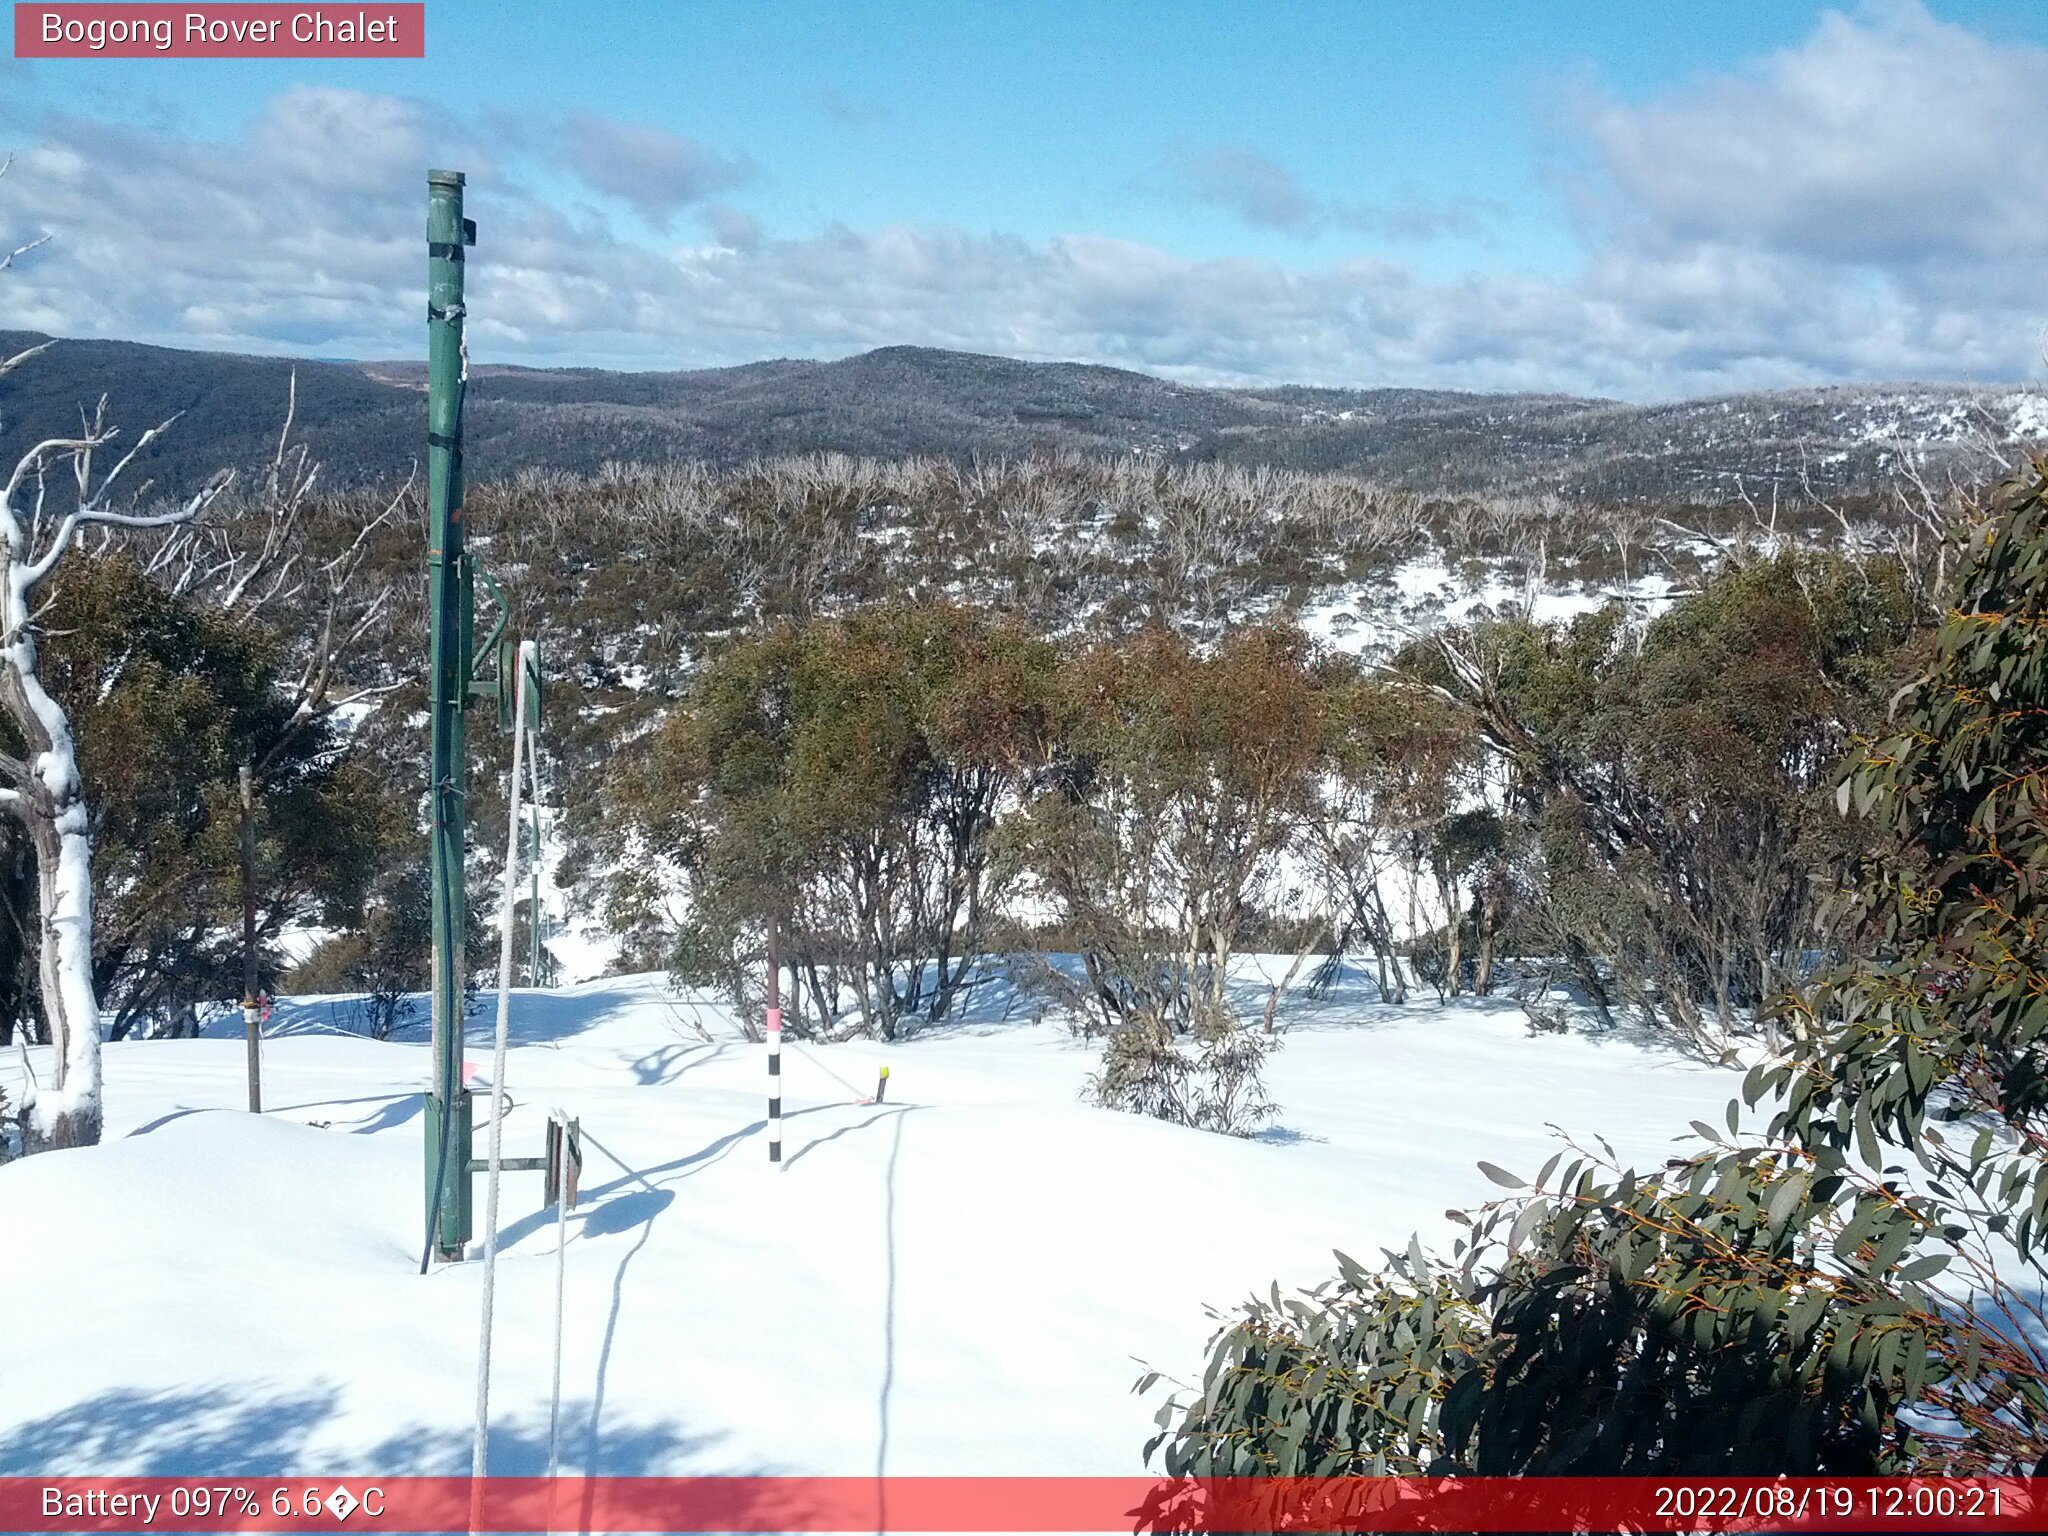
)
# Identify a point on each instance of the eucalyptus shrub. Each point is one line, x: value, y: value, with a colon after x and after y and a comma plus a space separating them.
x: 1856, y: 1290
x: 1939, y: 1039
x: 1210, y: 1080
x: 1749, y: 1311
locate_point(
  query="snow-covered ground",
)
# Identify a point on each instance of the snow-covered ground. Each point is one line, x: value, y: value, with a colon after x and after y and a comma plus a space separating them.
x: 964, y: 1279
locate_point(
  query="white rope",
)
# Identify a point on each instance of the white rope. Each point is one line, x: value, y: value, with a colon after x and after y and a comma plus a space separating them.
x: 480, y: 1456
x: 533, y: 780
x: 555, y: 1391
x: 842, y: 1082
x: 561, y: 1118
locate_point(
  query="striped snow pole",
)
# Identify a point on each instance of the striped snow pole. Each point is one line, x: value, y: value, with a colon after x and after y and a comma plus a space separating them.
x: 775, y: 1085
x: 774, y: 1022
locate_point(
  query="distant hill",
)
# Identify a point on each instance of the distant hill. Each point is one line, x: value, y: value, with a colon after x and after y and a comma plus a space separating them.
x: 365, y: 422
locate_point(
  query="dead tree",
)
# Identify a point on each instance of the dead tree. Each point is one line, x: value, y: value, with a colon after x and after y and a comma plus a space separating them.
x: 261, y: 559
x: 41, y: 786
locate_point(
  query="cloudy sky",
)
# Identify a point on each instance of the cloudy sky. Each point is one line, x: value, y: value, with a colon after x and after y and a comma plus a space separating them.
x: 1639, y: 201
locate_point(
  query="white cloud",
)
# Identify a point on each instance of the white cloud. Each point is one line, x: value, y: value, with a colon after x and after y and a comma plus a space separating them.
x: 1253, y: 186
x: 1886, y: 137
x: 1259, y: 191
x: 1859, y: 205
x: 297, y: 232
x: 1776, y: 226
x: 656, y: 172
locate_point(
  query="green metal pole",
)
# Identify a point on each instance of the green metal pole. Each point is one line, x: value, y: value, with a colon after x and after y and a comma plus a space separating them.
x: 448, y: 603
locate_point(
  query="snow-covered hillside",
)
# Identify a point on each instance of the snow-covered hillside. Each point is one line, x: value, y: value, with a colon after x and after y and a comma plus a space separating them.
x: 963, y: 1279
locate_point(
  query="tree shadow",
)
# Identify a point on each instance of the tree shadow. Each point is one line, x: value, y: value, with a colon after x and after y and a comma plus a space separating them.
x: 691, y: 1162
x: 163, y: 1120
x: 180, y: 1433
x: 888, y: 1387
x: 393, y: 1109
x: 703, y: 1157
x: 669, y: 1062
x: 596, y: 1449
x: 541, y: 1017
x: 391, y: 1115
x: 416, y: 1100
x: 315, y: 1014
x: 228, y: 1430
x: 896, y: 1110
x: 626, y: 1212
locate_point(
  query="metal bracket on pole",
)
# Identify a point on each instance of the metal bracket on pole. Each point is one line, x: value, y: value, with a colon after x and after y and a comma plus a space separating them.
x: 495, y: 654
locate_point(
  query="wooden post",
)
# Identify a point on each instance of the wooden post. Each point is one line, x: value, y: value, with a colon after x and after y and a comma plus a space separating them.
x: 252, y: 1017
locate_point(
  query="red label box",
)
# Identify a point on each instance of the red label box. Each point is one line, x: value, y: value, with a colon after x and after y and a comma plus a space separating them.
x: 105, y: 29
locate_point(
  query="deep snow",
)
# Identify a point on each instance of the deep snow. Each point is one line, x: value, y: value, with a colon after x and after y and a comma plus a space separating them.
x: 962, y: 1280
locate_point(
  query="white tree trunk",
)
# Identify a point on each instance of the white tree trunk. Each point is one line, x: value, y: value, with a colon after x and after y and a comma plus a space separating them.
x: 67, y: 1112
x: 64, y: 1112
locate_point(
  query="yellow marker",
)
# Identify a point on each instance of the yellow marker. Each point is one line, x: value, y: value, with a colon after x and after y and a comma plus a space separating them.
x: 882, y: 1086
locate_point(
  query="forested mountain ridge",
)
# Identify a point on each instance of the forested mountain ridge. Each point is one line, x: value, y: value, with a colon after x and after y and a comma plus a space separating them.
x: 363, y: 421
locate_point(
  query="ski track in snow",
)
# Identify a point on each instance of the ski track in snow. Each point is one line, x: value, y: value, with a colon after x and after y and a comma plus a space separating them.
x: 965, y: 1279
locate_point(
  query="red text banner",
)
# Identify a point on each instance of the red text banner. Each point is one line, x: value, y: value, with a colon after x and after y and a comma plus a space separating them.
x: 104, y: 30
x: 1015, y: 1504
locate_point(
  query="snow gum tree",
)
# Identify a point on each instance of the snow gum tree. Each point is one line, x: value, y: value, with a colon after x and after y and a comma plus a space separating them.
x: 1157, y: 842
x: 168, y: 694
x: 40, y: 783
x: 1674, y: 832
x: 1157, y: 835
x: 841, y: 780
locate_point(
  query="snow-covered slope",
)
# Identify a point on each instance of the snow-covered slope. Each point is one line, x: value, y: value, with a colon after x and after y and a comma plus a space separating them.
x: 960, y: 1280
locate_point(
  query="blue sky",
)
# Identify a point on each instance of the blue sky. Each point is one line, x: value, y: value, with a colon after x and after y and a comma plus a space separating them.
x: 1635, y: 200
